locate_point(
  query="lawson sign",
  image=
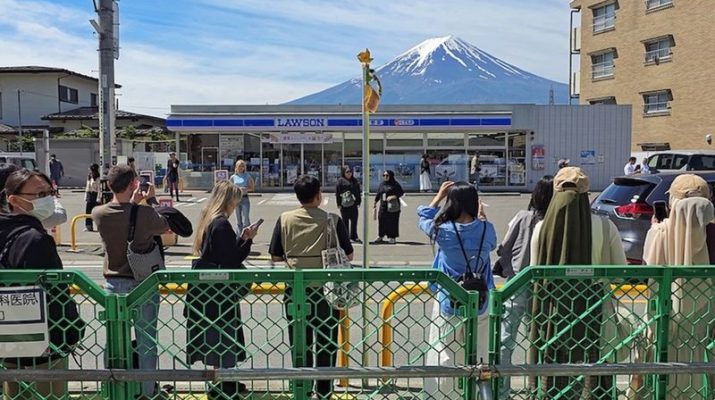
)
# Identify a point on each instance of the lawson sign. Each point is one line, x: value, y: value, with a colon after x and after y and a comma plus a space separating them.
x: 301, y: 122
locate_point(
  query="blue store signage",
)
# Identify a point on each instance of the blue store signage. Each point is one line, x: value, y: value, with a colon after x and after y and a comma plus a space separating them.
x: 318, y: 123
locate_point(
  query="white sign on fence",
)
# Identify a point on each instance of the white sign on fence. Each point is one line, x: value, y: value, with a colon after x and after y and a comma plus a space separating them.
x: 23, y: 321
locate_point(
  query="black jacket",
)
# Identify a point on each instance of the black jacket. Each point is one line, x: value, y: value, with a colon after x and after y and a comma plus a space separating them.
x: 343, y: 186
x: 25, y: 244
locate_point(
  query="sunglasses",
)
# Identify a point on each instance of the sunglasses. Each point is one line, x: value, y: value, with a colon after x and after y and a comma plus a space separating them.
x: 40, y: 195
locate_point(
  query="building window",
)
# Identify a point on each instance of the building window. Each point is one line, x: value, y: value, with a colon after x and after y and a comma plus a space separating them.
x: 93, y: 99
x: 658, y: 50
x: 604, y: 18
x: 657, y: 102
x: 603, y: 100
x: 653, y: 4
x: 602, y: 64
x: 69, y: 95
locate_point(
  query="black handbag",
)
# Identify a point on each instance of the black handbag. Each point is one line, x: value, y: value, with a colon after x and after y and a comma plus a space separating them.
x: 474, y: 280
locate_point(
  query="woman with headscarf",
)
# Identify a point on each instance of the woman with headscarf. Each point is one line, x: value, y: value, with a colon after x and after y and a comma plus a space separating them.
x: 388, y: 216
x: 570, y: 235
x: 682, y: 239
x: 347, y: 194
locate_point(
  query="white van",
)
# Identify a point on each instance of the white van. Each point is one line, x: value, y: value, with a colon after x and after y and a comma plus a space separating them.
x: 22, y: 161
x: 682, y: 160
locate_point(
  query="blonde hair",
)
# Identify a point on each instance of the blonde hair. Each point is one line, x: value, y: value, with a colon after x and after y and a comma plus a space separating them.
x: 240, y: 163
x: 224, y: 196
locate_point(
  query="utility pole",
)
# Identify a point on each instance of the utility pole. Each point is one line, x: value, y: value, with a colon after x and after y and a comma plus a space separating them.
x: 107, y: 29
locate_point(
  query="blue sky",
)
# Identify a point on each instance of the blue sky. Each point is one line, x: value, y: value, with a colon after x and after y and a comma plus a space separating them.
x: 271, y: 51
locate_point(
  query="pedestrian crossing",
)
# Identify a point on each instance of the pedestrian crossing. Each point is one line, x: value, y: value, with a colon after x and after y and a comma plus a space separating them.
x: 277, y: 199
x: 187, y: 202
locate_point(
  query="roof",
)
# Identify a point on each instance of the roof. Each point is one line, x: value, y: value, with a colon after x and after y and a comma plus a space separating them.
x: 32, y: 69
x: 84, y: 113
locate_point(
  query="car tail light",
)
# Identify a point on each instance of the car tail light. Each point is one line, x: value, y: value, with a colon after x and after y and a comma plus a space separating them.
x: 634, y: 261
x: 633, y: 210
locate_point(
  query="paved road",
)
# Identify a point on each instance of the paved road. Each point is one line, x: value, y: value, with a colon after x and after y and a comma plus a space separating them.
x: 413, y: 247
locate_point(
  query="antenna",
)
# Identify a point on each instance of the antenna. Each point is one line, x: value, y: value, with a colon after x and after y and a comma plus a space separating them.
x: 551, y: 95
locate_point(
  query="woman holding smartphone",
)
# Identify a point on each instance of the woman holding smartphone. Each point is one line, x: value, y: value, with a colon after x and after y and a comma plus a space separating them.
x: 215, y: 330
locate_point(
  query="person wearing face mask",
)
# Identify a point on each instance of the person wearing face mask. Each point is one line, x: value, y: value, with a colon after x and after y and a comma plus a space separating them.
x: 25, y: 201
x: 59, y: 216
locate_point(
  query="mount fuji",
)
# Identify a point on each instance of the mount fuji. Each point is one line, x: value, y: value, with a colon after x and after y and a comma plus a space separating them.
x: 447, y: 70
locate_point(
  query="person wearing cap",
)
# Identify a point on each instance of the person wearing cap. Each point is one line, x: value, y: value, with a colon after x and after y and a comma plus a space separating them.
x: 686, y: 237
x: 570, y: 235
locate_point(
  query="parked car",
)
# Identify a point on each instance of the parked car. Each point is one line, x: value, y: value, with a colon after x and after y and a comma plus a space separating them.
x: 20, y: 161
x: 628, y: 202
x: 682, y: 160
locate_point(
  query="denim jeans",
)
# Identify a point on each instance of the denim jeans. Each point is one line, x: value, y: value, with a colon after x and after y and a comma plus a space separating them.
x: 242, y: 214
x: 145, y: 328
x: 516, y: 312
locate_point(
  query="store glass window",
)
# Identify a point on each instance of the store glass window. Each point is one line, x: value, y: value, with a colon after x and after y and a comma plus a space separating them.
x: 516, y: 162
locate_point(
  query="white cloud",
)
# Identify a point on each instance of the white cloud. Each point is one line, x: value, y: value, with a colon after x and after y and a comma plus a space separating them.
x: 294, y: 47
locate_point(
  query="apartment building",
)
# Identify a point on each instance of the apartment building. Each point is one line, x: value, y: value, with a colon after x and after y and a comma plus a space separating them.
x: 656, y: 55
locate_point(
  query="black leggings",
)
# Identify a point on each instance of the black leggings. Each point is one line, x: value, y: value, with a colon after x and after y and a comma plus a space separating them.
x: 91, y: 203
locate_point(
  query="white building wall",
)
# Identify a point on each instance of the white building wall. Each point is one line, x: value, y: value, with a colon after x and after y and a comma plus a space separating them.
x: 39, y: 95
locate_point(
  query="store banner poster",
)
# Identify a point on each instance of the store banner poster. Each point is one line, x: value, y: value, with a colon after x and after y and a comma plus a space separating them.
x: 23, y: 322
x: 588, y: 157
x: 220, y: 175
x: 538, y: 157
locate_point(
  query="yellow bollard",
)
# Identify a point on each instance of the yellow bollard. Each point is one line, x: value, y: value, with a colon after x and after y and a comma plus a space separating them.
x: 344, y: 345
x: 73, y: 233
x: 387, y: 311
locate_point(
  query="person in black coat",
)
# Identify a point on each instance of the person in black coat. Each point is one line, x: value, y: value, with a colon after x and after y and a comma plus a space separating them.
x: 347, y: 192
x: 215, y: 330
x: 25, y: 201
x: 388, y: 216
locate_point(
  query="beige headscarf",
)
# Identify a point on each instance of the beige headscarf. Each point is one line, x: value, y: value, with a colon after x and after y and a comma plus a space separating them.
x: 680, y: 238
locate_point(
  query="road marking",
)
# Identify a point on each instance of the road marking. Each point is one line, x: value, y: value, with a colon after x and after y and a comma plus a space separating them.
x: 262, y: 201
x: 203, y: 199
x: 325, y: 201
x: 404, y: 204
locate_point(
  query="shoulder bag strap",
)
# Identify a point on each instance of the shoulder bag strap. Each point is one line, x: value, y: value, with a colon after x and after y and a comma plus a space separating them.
x: 132, y: 222
x: 332, y: 232
x: 461, y: 246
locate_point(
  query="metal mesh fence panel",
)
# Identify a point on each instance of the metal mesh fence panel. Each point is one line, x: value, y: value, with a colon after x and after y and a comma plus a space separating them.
x: 73, y: 311
x: 604, y: 315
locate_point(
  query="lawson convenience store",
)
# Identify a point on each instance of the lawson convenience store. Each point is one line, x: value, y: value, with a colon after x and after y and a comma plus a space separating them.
x: 516, y: 144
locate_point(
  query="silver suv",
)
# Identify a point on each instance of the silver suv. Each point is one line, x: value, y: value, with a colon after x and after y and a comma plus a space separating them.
x: 628, y: 202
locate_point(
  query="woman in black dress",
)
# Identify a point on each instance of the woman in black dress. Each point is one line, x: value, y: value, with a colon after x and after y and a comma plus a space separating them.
x: 388, y: 216
x: 347, y: 192
x: 216, y: 308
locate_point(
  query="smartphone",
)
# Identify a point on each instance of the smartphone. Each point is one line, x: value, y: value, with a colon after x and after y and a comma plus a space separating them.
x: 254, y: 226
x: 144, y: 183
x: 660, y: 209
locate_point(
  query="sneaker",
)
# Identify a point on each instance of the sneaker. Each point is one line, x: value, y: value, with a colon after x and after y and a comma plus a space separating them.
x: 379, y: 240
x: 392, y: 241
x: 88, y: 230
x: 356, y: 240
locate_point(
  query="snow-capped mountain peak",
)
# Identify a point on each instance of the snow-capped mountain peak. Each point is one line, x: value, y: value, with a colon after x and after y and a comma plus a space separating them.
x: 447, y: 70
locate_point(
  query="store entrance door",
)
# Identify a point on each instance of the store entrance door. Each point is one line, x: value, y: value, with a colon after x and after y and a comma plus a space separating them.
x: 209, y: 158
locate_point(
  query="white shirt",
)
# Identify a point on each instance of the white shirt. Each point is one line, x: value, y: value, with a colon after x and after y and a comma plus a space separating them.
x: 645, y: 169
x: 629, y: 169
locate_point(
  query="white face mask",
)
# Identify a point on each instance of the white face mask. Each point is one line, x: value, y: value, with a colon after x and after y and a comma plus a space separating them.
x: 42, y: 208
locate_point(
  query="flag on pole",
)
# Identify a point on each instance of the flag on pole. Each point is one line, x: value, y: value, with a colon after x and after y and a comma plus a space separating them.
x: 371, y: 96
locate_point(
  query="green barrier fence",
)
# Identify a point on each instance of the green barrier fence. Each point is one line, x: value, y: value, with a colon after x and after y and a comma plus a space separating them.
x: 212, y: 338
x: 634, y: 329
x: 574, y: 315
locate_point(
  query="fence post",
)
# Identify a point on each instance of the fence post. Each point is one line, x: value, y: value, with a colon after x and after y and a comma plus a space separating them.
x: 496, y: 312
x: 470, y: 344
x: 663, y: 306
x: 298, y: 309
x: 119, y: 346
